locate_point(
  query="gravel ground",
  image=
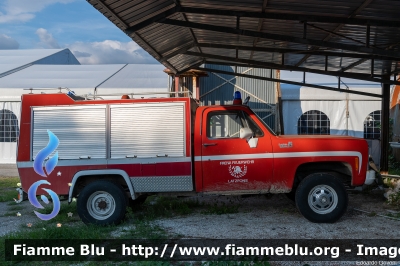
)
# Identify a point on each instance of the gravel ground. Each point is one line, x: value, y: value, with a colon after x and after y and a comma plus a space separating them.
x: 8, y: 170
x: 278, y: 218
x: 10, y: 222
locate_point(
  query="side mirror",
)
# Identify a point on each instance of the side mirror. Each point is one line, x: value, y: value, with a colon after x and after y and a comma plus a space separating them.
x: 246, y: 101
x: 245, y: 133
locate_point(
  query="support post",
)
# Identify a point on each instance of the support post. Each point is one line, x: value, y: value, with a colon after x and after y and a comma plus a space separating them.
x: 177, y: 84
x: 326, y: 63
x: 372, y: 68
x: 197, y: 88
x: 385, y: 129
x: 279, y: 102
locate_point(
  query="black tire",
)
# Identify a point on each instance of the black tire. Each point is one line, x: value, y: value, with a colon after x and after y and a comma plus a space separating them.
x: 138, y: 201
x: 321, y: 198
x: 102, y: 202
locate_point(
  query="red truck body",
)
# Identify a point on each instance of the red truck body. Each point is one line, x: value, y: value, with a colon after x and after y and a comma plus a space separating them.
x: 193, y: 150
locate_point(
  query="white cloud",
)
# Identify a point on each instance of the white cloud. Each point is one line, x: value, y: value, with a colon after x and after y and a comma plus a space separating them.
x: 110, y: 52
x: 24, y: 10
x: 6, y: 42
x: 46, y: 39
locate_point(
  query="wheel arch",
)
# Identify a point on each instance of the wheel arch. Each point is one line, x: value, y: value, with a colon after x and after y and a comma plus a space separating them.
x: 341, y: 170
x: 87, y: 176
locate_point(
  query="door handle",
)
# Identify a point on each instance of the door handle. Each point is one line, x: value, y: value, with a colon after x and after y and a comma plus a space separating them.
x: 209, y: 144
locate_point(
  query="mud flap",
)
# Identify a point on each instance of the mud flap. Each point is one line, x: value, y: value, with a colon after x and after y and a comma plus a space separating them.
x: 21, y: 195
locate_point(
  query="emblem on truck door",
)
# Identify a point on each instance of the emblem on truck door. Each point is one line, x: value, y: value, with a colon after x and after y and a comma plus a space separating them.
x: 237, y: 171
x: 286, y: 145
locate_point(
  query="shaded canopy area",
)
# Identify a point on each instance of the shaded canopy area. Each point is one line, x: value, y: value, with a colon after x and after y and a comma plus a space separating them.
x: 357, y: 39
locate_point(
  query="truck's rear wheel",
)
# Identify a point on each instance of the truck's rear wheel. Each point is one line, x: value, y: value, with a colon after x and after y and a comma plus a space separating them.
x: 102, y: 202
x: 321, y: 198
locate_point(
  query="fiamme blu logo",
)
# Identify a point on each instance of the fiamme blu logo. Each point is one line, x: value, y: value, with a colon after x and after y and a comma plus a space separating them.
x: 44, y: 168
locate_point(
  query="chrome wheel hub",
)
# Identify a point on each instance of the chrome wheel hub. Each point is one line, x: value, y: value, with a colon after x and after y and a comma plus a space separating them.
x: 322, y: 199
x: 101, y: 205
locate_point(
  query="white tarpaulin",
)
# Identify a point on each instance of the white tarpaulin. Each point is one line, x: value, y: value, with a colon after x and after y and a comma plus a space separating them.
x: 297, y: 100
x: 9, y: 130
x: 85, y: 79
x: 12, y: 61
x: 335, y: 110
x: 82, y: 79
x: 358, y: 112
x: 45, y: 70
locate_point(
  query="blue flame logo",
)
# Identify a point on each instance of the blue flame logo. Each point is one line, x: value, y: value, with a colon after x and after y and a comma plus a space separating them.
x: 32, y: 199
x: 49, y: 166
x: 44, y: 153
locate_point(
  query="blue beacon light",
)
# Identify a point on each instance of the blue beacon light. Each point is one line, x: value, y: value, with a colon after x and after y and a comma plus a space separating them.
x: 237, y: 100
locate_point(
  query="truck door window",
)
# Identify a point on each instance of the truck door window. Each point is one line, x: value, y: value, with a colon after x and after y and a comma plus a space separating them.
x: 224, y: 124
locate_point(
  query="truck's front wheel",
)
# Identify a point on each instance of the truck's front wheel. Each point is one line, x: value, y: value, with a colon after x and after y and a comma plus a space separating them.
x: 321, y: 198
x: 102, y: 202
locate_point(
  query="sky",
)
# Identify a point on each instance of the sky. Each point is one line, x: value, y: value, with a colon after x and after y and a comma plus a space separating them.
x: 73, y: 24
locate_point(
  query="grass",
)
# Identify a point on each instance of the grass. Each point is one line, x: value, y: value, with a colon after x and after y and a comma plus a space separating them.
x: 144, y: 230
x: 13, y: 209
x: 7, y: 188
x: 394, y: 215
x: 10, y: 213
x: 394, y: 171
x: 221, y: 208
x: 7, y: 182
x: 62, y: 216
x: 49, y: 230
x: 394, y: 166
x: 156, y: 207
x: 137, y: 225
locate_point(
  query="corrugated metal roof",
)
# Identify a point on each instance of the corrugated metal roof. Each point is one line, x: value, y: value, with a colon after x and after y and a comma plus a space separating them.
x: 308, y: 35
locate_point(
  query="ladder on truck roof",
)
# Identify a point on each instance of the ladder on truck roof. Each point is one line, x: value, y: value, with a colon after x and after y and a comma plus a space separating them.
x: 95, y: 96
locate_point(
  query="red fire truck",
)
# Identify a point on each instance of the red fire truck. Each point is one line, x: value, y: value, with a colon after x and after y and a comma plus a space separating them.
x: 113, y: 151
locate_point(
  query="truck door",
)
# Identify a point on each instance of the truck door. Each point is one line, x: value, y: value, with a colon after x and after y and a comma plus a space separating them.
x: 230, y: 163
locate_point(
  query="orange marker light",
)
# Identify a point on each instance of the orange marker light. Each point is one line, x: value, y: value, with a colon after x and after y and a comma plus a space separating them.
x: 356, y: 163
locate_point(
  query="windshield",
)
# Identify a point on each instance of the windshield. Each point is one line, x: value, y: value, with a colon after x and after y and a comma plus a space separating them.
x: 265, y: 124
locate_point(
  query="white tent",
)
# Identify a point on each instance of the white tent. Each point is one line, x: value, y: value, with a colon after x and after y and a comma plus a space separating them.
x: 84, y: 79
x: 46, y: 70
x: 346, y: 112
x: 15, y: 60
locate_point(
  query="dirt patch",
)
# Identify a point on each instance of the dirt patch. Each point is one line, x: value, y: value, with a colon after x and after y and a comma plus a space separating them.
x: 258, y: 217
x: 277, y: 217
x: 10, y: 221
x: 8, y: 170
